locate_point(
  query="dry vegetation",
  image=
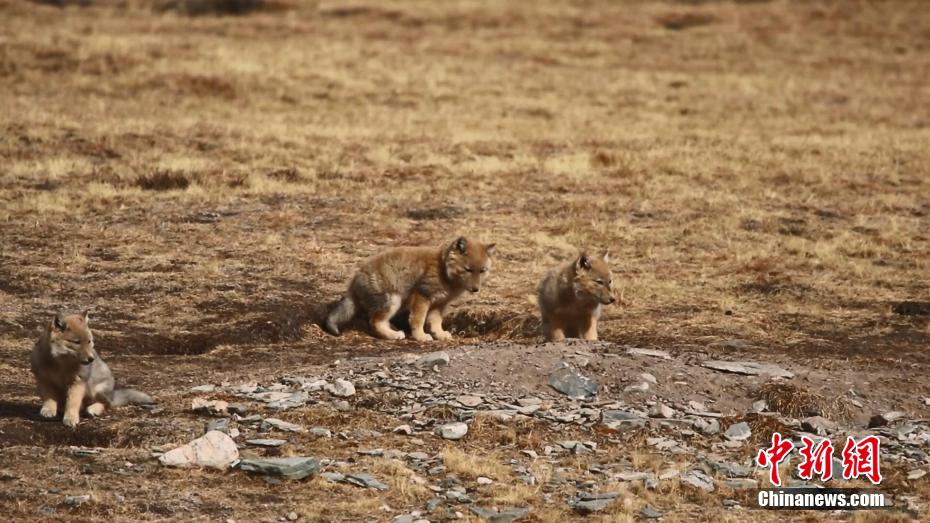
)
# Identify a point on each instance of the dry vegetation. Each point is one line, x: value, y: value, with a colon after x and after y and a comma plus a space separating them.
x: 204, y: 176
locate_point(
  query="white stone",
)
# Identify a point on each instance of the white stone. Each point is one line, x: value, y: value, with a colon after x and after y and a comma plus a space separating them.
x: 454, y: 431
x: 214, y: 450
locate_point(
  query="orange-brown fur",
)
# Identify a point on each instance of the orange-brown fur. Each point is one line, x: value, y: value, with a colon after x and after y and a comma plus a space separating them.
x: 423, y: 280
x: 571, y: 296
x: 68, y: 370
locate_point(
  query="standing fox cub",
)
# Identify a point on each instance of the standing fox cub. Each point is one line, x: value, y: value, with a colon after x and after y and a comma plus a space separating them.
x: 68, y: 370
x: 422, y: 280
x: 571, y: 295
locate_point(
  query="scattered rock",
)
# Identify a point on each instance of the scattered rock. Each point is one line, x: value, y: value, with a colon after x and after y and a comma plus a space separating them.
x: 432, y: 359
x: 76, y: 501
x: 622, y: 420
x: 211, y: 407
x: 759, y: 406
x: 342, y: 388
x: 927, y: 402
x: 266, y: 442
x: 749, y: 368
x: 649, y: 378
x: 738, y: 432
x: 649, y: 352
x: 454, y: 431
x: 818, y: 425
x: 726, y: 469
x: 707, y: 427
x: 287, y: 468
x: 221, y: 425
x: 697, y: 406
x: 698, y: 479
x: 660, y: 410
x: 292, y: 516
x: 214, y: 450
x: 642, y: 387
x: 572, y: 384
x: 916, y: 474
x: 590, y: 503
x: 321, y: 432
x: 484, y: 481
x: 403, y: 429
x: 203, y: 389
x: 284, y: 426
x: 467, y: 400
x: 504, y: 516
x: 650, y: 513
x: 741, y: 483
x: 364, y: 480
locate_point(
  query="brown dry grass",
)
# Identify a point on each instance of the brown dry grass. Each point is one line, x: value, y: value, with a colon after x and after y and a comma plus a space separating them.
x: 759, y: 170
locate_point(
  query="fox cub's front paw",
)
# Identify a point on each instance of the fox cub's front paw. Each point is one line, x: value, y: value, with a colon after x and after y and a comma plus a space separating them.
x: 95, y: 409
x: 71, y: 420
x: 421, y: 336
x: 442, y: 335
x: 48, y: 411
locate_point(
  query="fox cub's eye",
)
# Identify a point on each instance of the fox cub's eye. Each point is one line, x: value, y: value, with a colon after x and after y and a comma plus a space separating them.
x: 599, y: 282
x: 76, y: 342
x: 469, y: 269
x: 484, y: 270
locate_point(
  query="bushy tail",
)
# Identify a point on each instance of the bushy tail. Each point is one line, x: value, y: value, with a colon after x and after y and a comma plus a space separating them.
x: 339, y: 315
x: 130, y: 396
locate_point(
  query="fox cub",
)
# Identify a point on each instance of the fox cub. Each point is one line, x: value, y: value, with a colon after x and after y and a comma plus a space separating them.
x: 68, y: 370
x: 571, y: 296
x: 423, y: 280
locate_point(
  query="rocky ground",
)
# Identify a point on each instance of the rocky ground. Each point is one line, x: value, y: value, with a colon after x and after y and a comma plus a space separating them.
x: 496, y: 432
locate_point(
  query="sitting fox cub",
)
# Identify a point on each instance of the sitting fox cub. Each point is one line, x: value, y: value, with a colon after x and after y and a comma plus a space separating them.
x: 68, y: 370
x: 421, y: 279
x: 571, y: 296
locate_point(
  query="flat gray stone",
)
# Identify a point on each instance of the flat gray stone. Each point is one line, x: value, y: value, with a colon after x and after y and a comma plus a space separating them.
x: 727, y: 469
x: 698, y: 479
x: 467, y: 400
x: 572, y: 384
x: 362, y: 479
x: 284, y: 426
x: 738, y: 432
x: 266, y: 442
x: 288, y: 468
x: 652, y: 353
x: 749, y: 368
x: 650, y: 513
x: 504, y: 516
x: 432, y: 359
x: 622, y: 420
x: 741, y: 483
x: 342, y: 388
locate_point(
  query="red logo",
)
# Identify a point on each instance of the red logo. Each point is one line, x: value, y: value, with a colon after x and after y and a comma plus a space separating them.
x: 861, y: 459
x: 774, y: 455
x: 816, y: 460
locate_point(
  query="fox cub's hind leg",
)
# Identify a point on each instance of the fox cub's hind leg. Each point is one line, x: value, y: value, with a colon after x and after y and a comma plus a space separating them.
x: 49, y: 402
x: 434, y: 318
x: 381, y: 320
x: 419, y: 308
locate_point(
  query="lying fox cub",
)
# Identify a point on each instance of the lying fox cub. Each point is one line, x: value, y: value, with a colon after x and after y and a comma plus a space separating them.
x: 68, y: 370
x: 421, y: 279
x: 571, y: 296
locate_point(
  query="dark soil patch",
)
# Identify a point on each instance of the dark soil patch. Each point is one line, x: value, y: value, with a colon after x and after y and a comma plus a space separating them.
x: 912, y: 308
x: 163, y: 181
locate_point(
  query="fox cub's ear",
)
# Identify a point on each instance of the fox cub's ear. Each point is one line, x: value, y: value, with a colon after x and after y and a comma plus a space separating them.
x: 606, y: 256
x: 461, y: 245
x: 584, y: 262
x: 58, y: 322
x: 86, y: 315
x: 491, y: 249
